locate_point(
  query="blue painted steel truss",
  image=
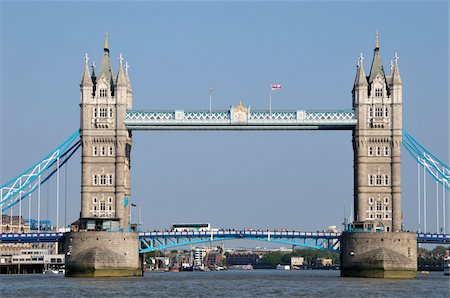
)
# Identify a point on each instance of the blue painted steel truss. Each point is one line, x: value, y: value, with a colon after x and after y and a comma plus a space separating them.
x: 152, y: 241
x: 18, y: 188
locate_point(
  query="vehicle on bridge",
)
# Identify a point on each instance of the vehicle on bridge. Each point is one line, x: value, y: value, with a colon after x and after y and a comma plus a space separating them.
x: 189, y: 227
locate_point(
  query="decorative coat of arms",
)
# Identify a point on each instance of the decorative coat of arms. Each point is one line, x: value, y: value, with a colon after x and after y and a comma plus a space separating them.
x: 239, y: 114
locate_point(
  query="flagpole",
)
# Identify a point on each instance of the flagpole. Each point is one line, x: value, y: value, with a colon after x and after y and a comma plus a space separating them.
x: 270, y: 101
x: 210, y: 95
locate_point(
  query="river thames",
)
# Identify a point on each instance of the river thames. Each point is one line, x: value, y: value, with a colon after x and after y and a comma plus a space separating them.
x: 231, y: 283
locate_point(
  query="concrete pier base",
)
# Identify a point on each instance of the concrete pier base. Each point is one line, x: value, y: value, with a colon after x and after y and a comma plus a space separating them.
x: 101, y: 254
x: 379, y: 254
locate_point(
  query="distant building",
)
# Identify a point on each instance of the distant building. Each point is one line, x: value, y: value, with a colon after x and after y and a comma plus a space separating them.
x: 14, y: 224
x: 322, y: 262
x: 297, y: 261
x: 243, y: 258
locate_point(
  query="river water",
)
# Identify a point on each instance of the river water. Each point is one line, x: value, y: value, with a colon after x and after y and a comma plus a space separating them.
x: 231, y: 283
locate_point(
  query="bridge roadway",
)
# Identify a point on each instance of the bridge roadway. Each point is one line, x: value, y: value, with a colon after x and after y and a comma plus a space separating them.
x: 157, y: 240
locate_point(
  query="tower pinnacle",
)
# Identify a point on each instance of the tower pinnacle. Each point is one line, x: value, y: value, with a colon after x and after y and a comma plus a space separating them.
x: 377, y: 46
x: 106, y: 48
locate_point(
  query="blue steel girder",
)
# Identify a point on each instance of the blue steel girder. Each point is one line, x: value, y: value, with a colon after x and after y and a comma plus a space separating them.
x: 249, y: 120
x: 164, y: 240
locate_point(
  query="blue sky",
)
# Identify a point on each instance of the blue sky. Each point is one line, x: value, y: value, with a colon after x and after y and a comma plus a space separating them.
x: 295, y: 180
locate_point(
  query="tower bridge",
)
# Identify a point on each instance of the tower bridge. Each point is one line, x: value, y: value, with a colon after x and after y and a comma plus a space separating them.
x: 374, y: 245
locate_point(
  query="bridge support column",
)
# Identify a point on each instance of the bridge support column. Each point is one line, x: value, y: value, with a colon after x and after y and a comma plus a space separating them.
x: 101, y: 254
x: 378, y: 254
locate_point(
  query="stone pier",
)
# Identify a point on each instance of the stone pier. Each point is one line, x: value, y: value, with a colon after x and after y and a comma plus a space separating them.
x: 379, y: 254
x: 101, y: 254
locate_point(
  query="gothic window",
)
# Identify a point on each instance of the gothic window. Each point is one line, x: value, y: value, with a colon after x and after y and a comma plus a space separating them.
x: 110, y: 180
x: 102, y: 206
x: 378, y: 151
x: 95, y: 200
x: 103, y: 92
x: 378, y: 92
x: 371, y: 208
x: 103, y: 112
x: 95, y: 208
x: 110, y: 208
x: 379, y: 180
x: 370, y: 112
x: 95, y: 179
x: 386, y: 112
x: 386, y: 201
x: 386, y: 180
x: 95, y: 151
x: 103, y: 180
x: 386, y: 208
x: 387, y: 216
x: 110, y: 112
x: 95, y: 112
x: 370, y: 200
x: 371, y: 180
x: 111, y: 151
x: 371, y: 215
x: 370, y: 151
x: 379, y: 216
x: 109, y: 200
x: 379, y: 207
x: 102, y: 151
x: 386, y: 151
x: 378, y: 112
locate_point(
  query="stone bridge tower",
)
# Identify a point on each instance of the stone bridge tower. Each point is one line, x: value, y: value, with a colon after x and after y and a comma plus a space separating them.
x: 377, y: 138
x: 103, y: 244
x: 376, y: 246
x: 106, y: 143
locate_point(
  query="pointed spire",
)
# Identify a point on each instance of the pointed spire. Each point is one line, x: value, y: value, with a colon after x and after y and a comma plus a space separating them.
x: 396, y: 79
x: 121, y: 81
x: 106, y: 69
x: 86, y: 80
x: 360, y: 79
x: 106, y: 46
x: 377, y: 65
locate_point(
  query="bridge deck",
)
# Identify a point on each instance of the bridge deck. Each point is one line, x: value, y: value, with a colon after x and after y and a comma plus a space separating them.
x: 248, y: 120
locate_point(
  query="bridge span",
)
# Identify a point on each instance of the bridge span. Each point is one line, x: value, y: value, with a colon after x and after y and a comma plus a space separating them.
x: 159, y: 240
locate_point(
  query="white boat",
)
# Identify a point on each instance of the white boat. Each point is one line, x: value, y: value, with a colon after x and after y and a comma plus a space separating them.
x: 283, y: 267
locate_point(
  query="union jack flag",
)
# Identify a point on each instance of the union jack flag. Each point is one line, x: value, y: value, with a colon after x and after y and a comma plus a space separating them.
x: 275, y: 87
